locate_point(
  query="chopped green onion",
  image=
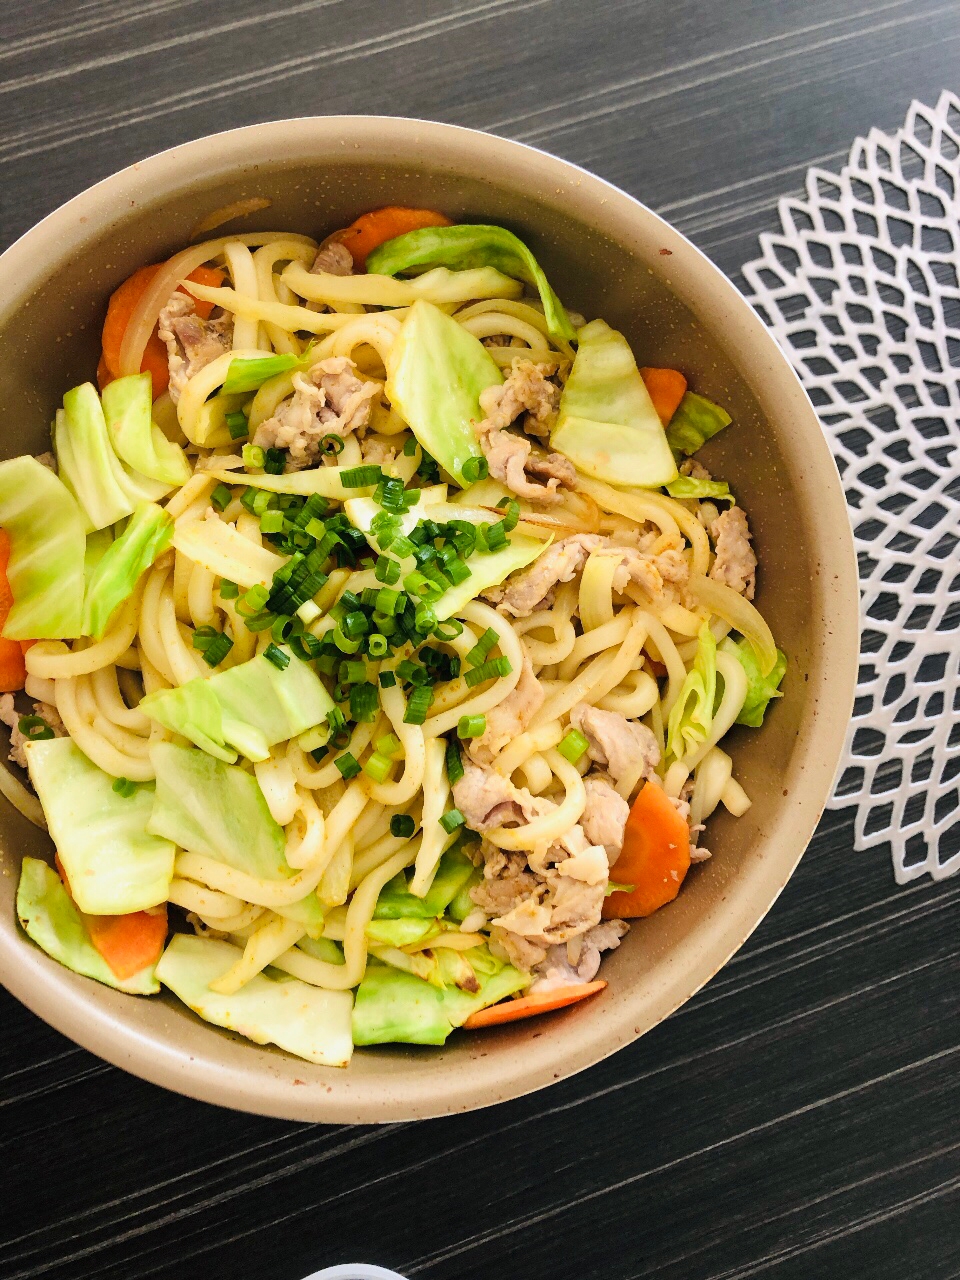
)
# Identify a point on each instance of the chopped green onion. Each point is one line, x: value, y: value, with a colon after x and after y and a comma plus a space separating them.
x: 573, y: 746
x: 249, y: 374
x: 387, y: 679
x: 253, y: 456
x: 217, y: 649
x: 449, y: 629
x: 228, y: 590
x: 377, y: 645
x: 410, y: 447
x: 271, y: 522
x: 356, y: 623
x: 389, y: 602
x: 386, y: 570
x: 402, y: 826
x: 377, y: 767
x: 347, y: 765
x: 457, y: 572
x: 237, y: 425
x: 360, y: 477
x: 256, y: 501
x: 512, y: 516
x: 478, y: 653
x: 285, y: 627
x: 426, y: 617
x: 364, y: 702
x: 253, y: 601
x: 488, y: 671
x: 417, y: 584
x: 475, y: 469
x: 279, y: 659
x: 389, y: 745
x: 495, y: 536
x: 418, y: 705
x: 454, y: 762
x: 402, y: 547
x: 352, y: 671
x: 259, y: 622
x: 221, y: 497
x: 35, y: 728
x: 471, y: 726
x: 331, y: 444
x: 452, y: 819
x: 274, y: 461
x: 343, y: 642
x: 123, y: 786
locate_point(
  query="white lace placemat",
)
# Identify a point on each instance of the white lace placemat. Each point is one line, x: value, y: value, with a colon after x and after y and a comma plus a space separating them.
x: 861, y: 290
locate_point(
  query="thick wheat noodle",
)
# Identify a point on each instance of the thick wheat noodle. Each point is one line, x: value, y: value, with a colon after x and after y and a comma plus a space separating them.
x: 106, y: 690
x: 53, y: 660
x: 205, y: 902
x: 596, y: 641
x: 377, y: 331
x: 280, y: 316
x: 93, y: 744
x: 436, y: 789
x: 494, y: 323
x: 633, y: 697
x: 537, y: 774
x: 334, y: 886
x: 358, y: 915
x: 596, y: 589
x: 196, y: 487
x: 712, y: 776
x: 151, y: 645
x: 667, y: 652
x: 180, y: 659
x: 263, y: 946
x: 203, y: 612
x: 401, y: 790
x: 305, y: 841
x: 639, y: 508
x: 368, y: 822
x: 164, y: 283
x: 735, y: 799
x: 482, y: 617
x: 375, y: 856
x: 543, y: 831
x: 328, y: 773
x: 601, y: 675
x: 243, y: 272
x: 244, y: 919
x: 129, y: 744
x: 545, y: 652
x: 521, y: 748
x: 180, y: 586
x: 265, y: 259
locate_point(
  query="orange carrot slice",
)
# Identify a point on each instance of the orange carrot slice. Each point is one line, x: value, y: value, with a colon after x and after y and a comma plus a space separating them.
x: 373, y: 229
x: 654, y: 859
x: 121, y: 307
x: 667, y: 387
x: 13, y: 672
x: 129, y: 943
x: 530, y: 1006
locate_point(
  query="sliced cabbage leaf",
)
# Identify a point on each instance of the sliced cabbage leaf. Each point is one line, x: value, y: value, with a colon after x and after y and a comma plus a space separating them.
x: 247, y: 708
x: 688, y: 487
x: 692, y: 714
x: 45, y: 570
x: 464, y: 247
x: 88, y: 466
x: 696, y: 421
x: 148, y: 533
x: 305, y: 1020
x: 114, y: 865
x: 49, y: 916
x: 462, y: 904
x: 436, y: 371
x: 215, y: 809
x: 760, y: 688
x: 246, y: 374
x: 98, y: 544
x: 607, y: 424
x: 397, y: 902
x: 396, y: 1007
x: 221, y: 549
x: 128, y: 412
x: 322, y: 949
x: 401, y: 932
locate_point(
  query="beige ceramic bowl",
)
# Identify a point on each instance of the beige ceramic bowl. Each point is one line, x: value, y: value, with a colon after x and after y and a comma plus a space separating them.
x: 608, y: 256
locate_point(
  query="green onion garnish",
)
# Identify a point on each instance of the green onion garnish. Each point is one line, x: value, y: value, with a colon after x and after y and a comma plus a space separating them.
x: 419, y: 704
x: 377, y: 645
x: 478, y: 653
x: 279, y: 659
x: 471, y: 726
x: 332, y: 444
x: 364, y: 702
x: 495, y: 536
x: 573, y: 746
x: 387, y: 679
x: 386, y: 570
x: 389, y: 745
x: 402, y: 826
x: 237, y: 425
x: 452, y: 819
x: 221, y: 497
x: 454, y: 762
x: 347, y: 765
x: 488, y: 671
x: 274, y: 460
x: 377, y: 767
x: 253, y: 456
x: 217, y: 649
x: 35, y: 729
x: 123, y: 786
x: 475, y: 469
x: 426, y: 617
x: 271, y: 522
x: 360, y: 477
x: 228, y: 590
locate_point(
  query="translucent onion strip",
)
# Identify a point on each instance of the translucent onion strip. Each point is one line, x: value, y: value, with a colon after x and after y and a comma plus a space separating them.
x: 742, y: 616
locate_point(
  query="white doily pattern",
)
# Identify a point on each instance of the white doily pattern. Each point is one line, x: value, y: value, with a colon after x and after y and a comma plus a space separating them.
x: 861, y: 290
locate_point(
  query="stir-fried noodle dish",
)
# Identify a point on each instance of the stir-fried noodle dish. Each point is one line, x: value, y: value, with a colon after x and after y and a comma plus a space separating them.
x: 370, y: 636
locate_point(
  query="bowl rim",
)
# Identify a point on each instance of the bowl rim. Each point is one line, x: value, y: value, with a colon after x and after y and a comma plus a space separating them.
x: 37, y: 983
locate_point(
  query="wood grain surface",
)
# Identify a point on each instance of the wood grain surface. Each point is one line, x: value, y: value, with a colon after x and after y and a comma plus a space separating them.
x: 797, y: 1119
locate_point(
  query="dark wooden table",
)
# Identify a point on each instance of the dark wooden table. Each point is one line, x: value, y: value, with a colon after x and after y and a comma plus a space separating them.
x: 799, y: 1118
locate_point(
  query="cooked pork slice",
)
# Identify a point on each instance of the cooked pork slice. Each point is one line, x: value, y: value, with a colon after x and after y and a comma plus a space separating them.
x: 735, y: 564
x: 329, y: 400
x: 377, y: 449
x: 487, y: 799
x: 615, y: 743
x: 48, y: 460
x: 510, y: 456
x: 10, y: 716
x: 191, y: 343
x: 509, y: 718
x: 605, y: 816
x: 334, y: 258
x: 561, y: 969
x: 561, y: 562
x: 526, y: 391
x: 649, y: 572
x: 695, y: 470
x: 509, y: 459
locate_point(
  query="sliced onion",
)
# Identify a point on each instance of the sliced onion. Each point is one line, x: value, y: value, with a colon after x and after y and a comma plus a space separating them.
x: 742, y: 616
x: 239, y: 209
x: 21, y: 799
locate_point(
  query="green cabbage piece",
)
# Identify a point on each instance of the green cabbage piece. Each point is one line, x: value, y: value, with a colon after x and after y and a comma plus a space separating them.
x: 435, y: 374
x: 688, y: 487
x: 692, y: 714
x: 760, y: 688
x: 115, y: 576
x: 247, y: 708
x: 322, y: 949
x: 249, y: 374
x: 396, y: 1007
x: 396, y: 902
x: 696, y: 421
x: 45, y: 571
x: 607, y: 424
x: 88, y: 466
x: 51, y: 919
x: 305, y: 1020
x: 98, y: 544
x: 462, y: 904
x: 114, y: 865
x: 400, y: 932
x: 464, y: 247
x: 128, y: 412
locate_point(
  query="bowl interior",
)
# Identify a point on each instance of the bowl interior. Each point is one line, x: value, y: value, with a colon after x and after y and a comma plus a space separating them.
x: 606, y: 256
